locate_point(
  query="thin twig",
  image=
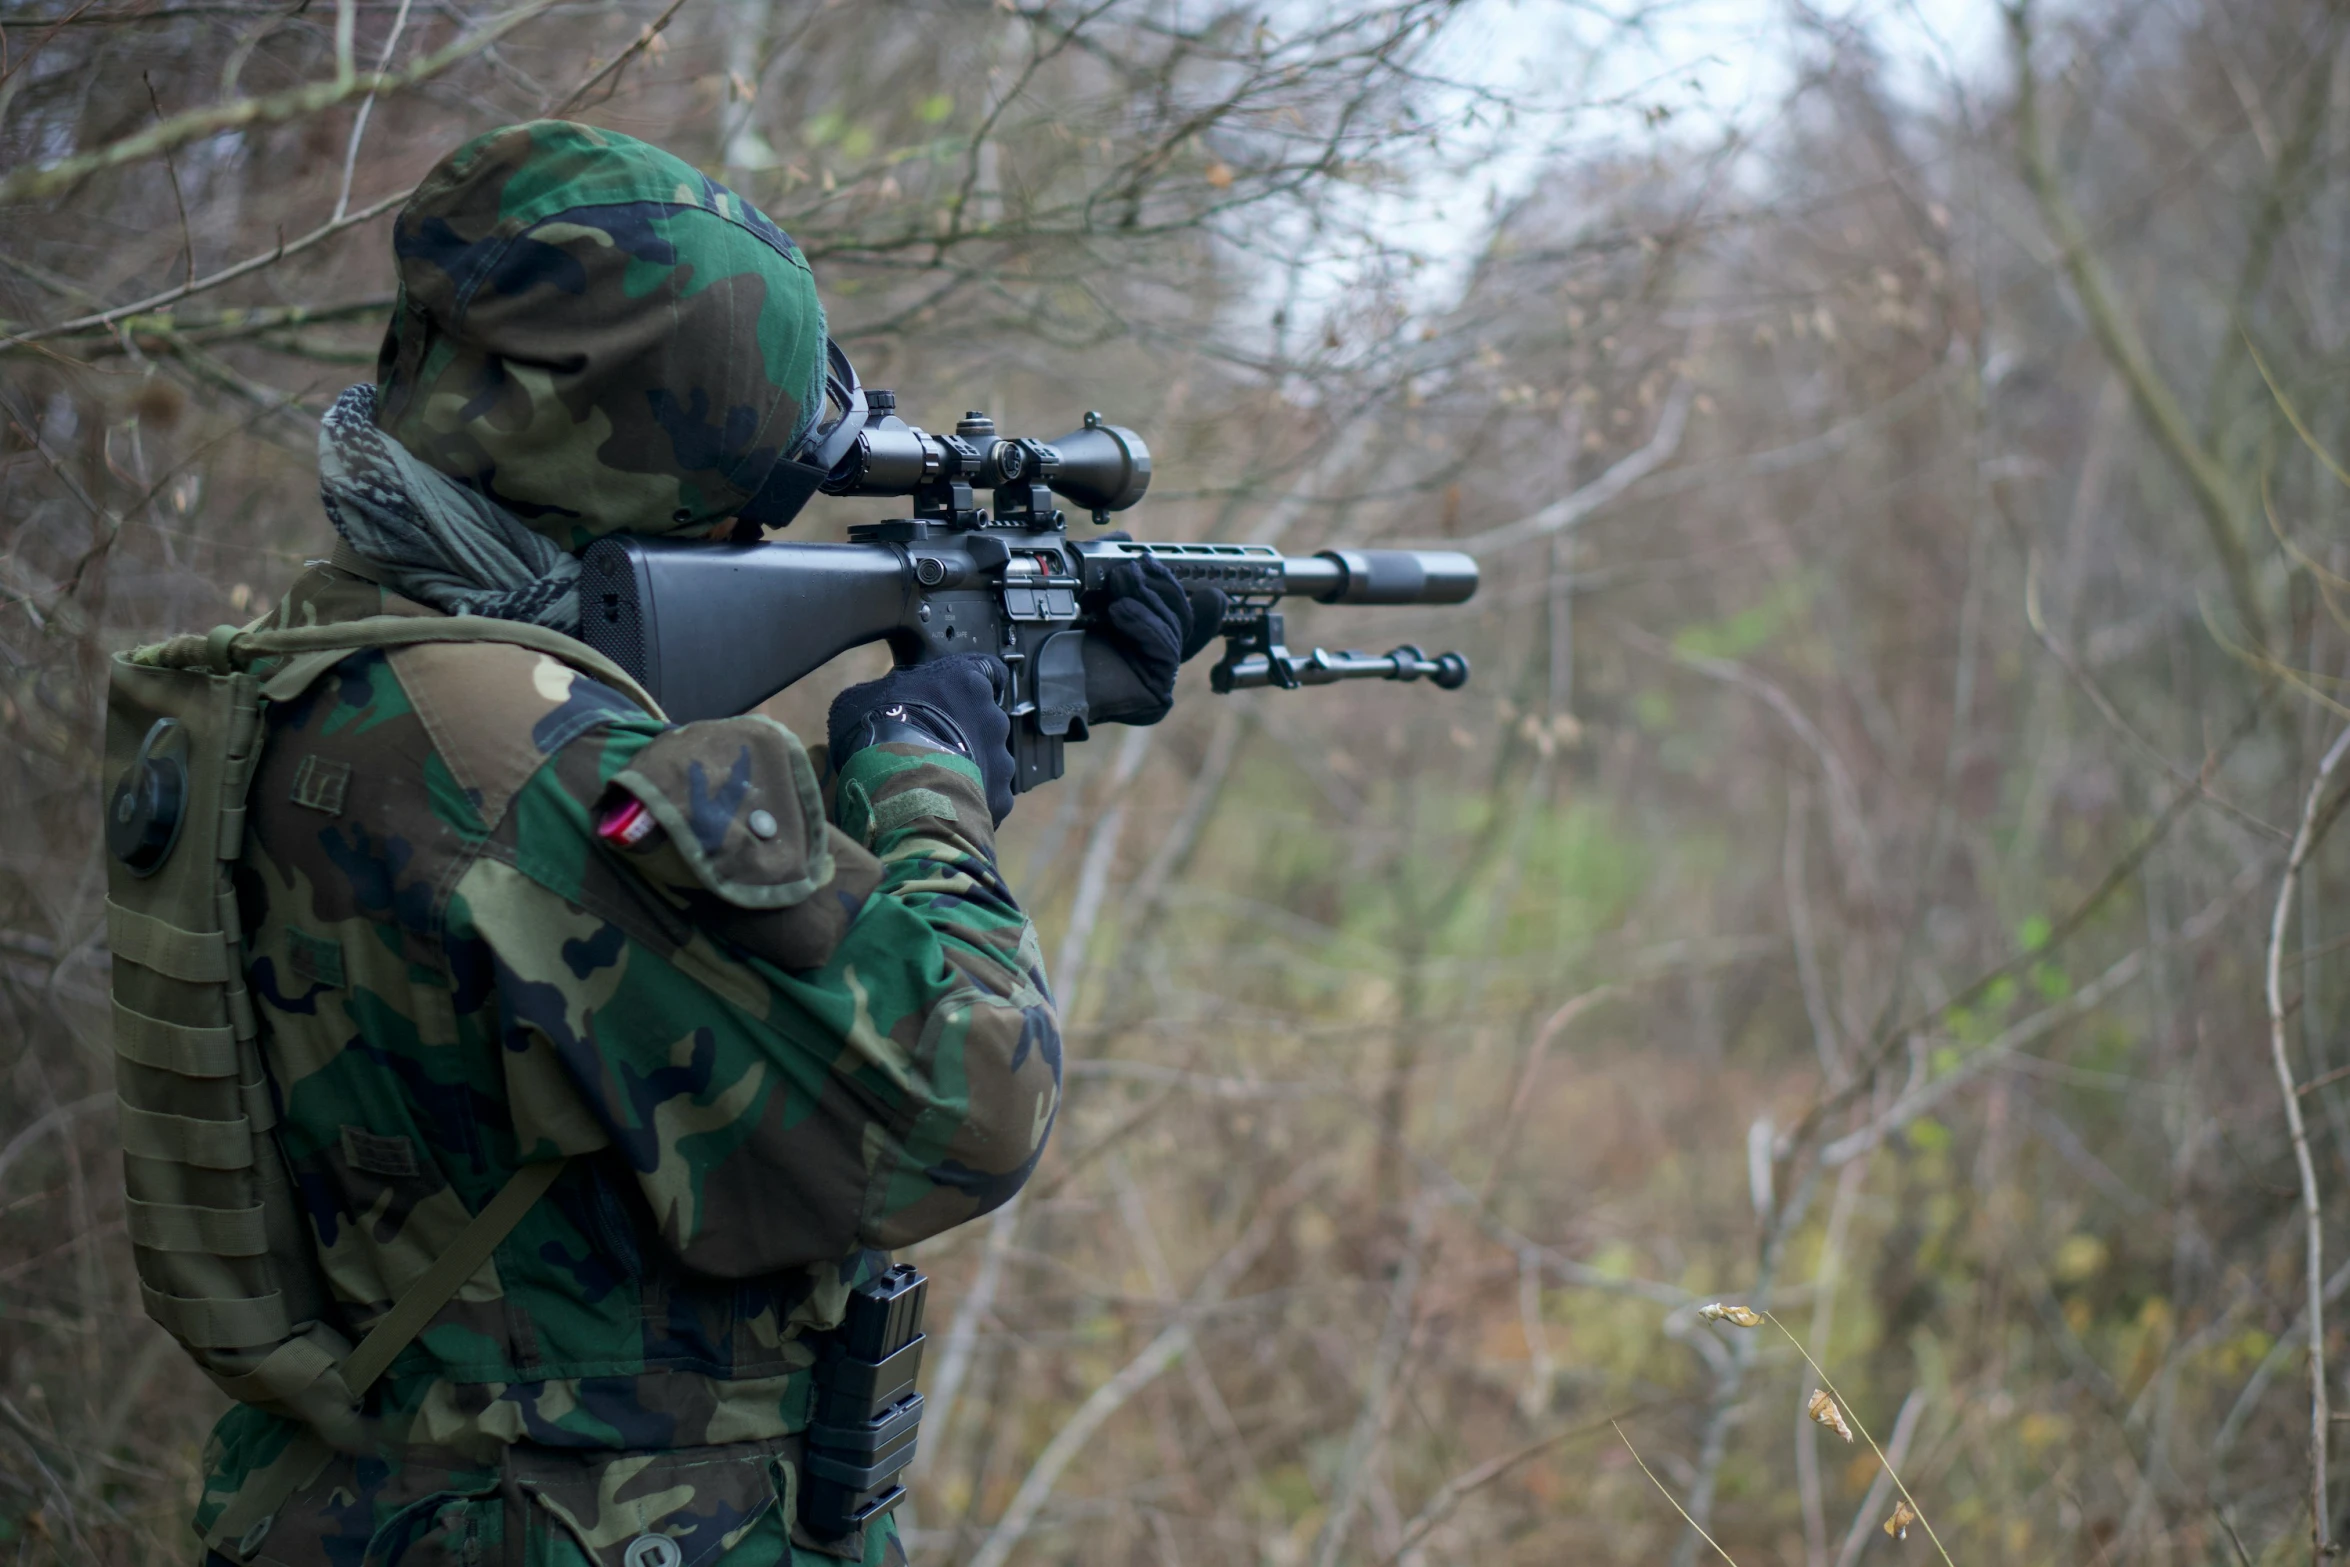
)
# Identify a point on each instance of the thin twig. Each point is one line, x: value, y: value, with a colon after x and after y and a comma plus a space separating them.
x: 1852, y: 830
x: 1572, y: 510
x: 42, y: 42
x: 1864, y: 1521
x: 2123, y: 971
x: 2077, y: 918
x: 1668, y: 1496
x: 319, y: 235
x: 187, y: 237
x: 1382, y: 1390
x: 1853, y: 1414
x: 2072, y: 666
x: 56, y: 1119
x: 2293, y: 415
x: 1138, y: 1373
x: 2313, y: 825
x: 228, y: 274
x: 1457, y: 1489
x: 1823, y: 1308
x: 961, y: 1344
x: 644, y: 39
x: 2217, y: 494
x: 366, y: 108
x: 1522, y: 1095
x: 1799, y: 926
x: 1093, y: 876
x: 36, y: 181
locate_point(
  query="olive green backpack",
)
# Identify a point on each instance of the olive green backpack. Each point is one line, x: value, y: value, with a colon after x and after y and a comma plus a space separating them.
x: 224, y: 1253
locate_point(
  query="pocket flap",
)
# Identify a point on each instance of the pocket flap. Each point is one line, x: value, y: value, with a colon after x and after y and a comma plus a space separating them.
x: 702, y: 1500
x: 739, y: 802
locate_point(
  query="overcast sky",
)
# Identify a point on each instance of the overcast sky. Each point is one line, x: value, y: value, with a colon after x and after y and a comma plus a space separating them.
x: 1717, y: 65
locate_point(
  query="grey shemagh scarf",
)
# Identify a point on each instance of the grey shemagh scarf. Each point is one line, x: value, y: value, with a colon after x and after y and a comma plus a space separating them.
x: 431, y: 538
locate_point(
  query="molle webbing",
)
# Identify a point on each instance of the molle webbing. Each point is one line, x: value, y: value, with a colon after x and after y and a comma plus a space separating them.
x: 198, y: 956
x: 206, y: 1190
x: 189, y: 1049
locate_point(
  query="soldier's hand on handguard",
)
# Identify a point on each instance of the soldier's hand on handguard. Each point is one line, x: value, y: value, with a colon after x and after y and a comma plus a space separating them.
x: 1155, y: 625
x: 951, y: 704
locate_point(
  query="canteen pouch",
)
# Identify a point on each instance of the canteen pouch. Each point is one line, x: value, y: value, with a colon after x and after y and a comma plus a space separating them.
x: 223, y: 1251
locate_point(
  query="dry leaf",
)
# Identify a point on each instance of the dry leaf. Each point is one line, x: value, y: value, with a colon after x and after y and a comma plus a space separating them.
x: 1219, y: 175
x: 1736, y: 1316
x: 1903, y: 1516
x: 1823, y: 1409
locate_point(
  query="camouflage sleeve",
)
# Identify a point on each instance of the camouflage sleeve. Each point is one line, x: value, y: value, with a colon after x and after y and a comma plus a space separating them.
x: 801, y: 1037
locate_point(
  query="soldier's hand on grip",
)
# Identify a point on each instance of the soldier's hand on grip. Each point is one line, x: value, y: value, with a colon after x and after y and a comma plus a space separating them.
x: 1155, y: 625
x: 950, y: 704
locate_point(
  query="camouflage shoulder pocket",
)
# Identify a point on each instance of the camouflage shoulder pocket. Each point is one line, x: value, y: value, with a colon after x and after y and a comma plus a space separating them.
x: 738, y: 803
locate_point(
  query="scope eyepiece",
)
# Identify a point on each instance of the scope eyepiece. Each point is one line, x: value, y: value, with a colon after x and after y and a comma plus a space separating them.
x: 888, y: 457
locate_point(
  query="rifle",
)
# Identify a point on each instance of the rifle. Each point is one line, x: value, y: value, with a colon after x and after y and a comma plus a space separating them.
x: 712, y: 630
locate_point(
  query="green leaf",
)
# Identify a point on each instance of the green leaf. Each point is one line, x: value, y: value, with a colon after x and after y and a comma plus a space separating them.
x: 935, y: 108
x: 2078, y: 1258
x: 1747, y: 629
x: 1615, y: 1260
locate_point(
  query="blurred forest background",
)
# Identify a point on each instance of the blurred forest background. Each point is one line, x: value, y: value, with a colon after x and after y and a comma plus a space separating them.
x: 1879, y: 873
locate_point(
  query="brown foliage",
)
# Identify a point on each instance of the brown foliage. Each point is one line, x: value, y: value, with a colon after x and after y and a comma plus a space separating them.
x: 1911, y: 631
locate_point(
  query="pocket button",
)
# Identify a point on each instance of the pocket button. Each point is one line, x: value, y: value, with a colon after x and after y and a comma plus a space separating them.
x: 652, y: 1550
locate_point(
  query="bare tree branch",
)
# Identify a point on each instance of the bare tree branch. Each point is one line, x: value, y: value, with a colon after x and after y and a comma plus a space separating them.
x: 38, y: 181
x: 2314, y: 823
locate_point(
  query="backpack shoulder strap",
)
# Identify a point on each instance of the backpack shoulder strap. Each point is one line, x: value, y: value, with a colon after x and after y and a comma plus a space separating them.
x: 308, y: 647
x: 245, y: 1519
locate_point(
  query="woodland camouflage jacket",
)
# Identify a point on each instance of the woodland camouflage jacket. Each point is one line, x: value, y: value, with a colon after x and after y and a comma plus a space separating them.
x: 774, y: 1046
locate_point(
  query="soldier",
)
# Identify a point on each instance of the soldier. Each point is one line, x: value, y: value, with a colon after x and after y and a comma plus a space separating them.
x: 497, y: 915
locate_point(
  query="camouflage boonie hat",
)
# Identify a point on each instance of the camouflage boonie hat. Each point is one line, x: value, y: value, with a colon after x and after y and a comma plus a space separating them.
x: 597, y: 336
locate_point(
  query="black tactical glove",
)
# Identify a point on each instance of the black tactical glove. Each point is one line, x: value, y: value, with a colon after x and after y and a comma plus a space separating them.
x: 950, y: 704
x: 1155, y: 625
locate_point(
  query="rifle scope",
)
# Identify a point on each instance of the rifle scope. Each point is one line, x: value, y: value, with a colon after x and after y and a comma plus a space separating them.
x: 1101, y: 467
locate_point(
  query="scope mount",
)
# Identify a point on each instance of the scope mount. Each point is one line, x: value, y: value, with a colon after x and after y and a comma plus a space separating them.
x: 1098, y: 468
x: 972, y: 459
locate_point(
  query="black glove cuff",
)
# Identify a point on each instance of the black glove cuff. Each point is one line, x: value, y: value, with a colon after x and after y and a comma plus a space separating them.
x: 915, y: 723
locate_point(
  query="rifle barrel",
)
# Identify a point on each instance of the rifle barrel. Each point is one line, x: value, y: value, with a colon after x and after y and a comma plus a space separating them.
x: 1383, y: 576
x: 1330, y: 577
